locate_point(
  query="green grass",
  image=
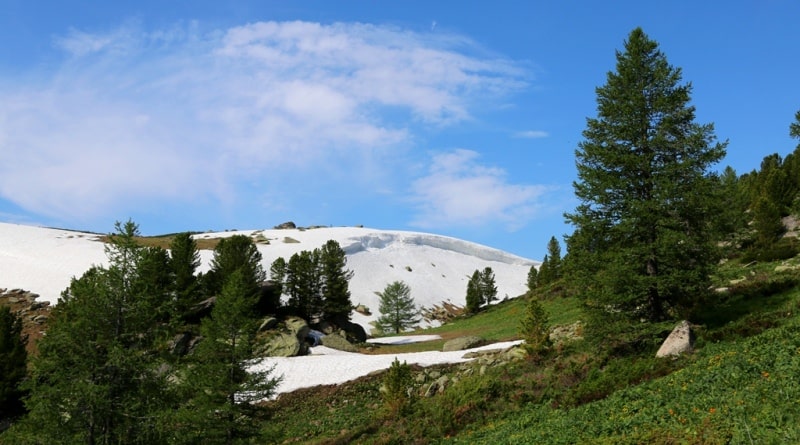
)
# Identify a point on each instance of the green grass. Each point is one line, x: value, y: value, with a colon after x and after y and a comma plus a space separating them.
x: 499, y: 322
x: 740, y: 386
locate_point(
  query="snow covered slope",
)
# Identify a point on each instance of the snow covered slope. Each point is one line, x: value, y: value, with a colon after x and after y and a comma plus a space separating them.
x: 436, y: 268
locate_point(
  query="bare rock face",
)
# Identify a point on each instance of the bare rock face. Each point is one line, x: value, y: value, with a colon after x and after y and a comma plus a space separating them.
x: 680, y: 341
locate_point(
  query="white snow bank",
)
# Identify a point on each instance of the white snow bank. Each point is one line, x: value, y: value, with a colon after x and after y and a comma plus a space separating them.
x: 331, y: 367
x: 436, y: 268
x: 403, y: 339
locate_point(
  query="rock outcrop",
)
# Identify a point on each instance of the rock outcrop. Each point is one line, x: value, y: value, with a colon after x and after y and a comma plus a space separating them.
x: 461, y: 343
x: 680, y: 341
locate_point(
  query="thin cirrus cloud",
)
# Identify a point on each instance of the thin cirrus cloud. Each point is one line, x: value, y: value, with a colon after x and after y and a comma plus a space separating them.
x: 459, y: 191
x: 142, y: 116
x: 532, y: 134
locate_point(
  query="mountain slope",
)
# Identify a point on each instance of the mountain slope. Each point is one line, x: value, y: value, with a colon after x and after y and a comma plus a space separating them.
x: 436, y: 268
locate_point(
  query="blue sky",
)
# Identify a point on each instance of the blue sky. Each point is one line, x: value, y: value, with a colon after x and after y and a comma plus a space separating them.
x: 453, y: 117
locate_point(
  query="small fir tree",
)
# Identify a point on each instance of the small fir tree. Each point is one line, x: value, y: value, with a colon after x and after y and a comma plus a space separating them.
x: 397, y: 308
x: 533, y: 278
x: 534, y: 328
x: 397, y: 386
x: 487, y: 286
x: 474, y: 294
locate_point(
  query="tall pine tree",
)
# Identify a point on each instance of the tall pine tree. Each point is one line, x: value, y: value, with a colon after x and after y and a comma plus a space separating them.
x: 335, y: 278
x: 642, y: 244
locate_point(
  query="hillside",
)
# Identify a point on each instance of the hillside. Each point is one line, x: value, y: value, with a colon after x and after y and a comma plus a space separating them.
x: 436, y: 268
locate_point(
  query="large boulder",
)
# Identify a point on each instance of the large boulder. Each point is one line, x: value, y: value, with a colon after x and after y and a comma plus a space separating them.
x: 283, y: 345
x: 680, y: 341
x: 298, y: 327
x: 461, y: 343
x: 336, y: 341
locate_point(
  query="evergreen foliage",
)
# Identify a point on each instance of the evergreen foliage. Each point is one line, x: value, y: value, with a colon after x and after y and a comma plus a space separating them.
x: 316, y: 283
x: 219, y: 387
x: 397, y: 308
x: 237, y: 252
x: 183, y: 263
x: 474, y: 295
x: 303, y: 286
x: 335, y: 278
x: 277, y: 273
x: 642, y: 243
x: 397, y: 385
x: 95, y: 379
x: 488, y: 286
x: 533, y: 278
x: 13, y: 363
x: 534, y: 328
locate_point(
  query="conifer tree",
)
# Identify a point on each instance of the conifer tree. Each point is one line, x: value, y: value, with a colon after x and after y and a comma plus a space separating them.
x: 474, y: 294
x: 533, y: 278
x: 237, y: 252
x: 553, y: 259
x: 277, y: 273
x: 334, y: 279
x: 643, y: 243
x: 221, y: 389
x: 534, y: 328
x: 397, y: 308
x: 303, y: 286
x: 183, y: 263
x: 487, y: 286
x: 13, y: 363
x: 95, y: 379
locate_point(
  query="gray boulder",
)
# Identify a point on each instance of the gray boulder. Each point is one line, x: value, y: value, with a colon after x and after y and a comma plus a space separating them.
x: 283, y: 345
x: 336, y: 341
x: 461, y: 343
x: 680, y: 341
x: 298, y: 327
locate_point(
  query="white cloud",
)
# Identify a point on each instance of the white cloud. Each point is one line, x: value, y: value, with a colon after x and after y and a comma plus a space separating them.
x: 458, y: 191
x: 140, y: 116
x: 532, y: 134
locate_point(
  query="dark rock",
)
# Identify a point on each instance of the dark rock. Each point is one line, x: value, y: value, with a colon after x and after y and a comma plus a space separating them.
x: 286, y: 225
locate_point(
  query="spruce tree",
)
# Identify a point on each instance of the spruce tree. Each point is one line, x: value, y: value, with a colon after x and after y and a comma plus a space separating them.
x: 303, y: 286
x: 277, y: 273
x: 487, y: 286
x: 533, y: 278
x: 221, y: 391
x: 643, y: 244
x: 397, y: 308
x: 474, y: 294
x: 183, y: 263
x: 534, y: 328
x: 553, y: 259
x: 334, y: 279
x: 13, y: 364
x: 237, y: 252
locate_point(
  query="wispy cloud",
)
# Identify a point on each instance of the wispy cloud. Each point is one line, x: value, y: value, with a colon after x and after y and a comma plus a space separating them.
x: 459, y: 191
x: 136, y: 116
x: 532, y: 134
